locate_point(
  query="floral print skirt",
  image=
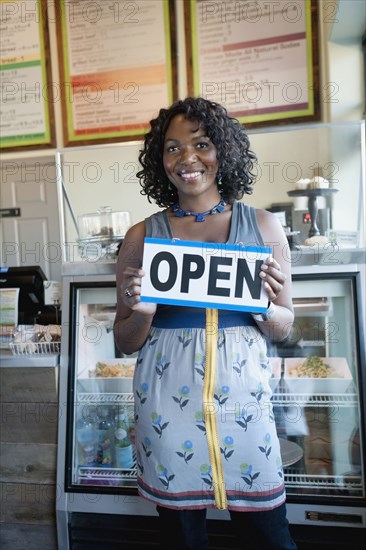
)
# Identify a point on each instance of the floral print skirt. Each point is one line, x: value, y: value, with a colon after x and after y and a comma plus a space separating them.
x: 173, y: 459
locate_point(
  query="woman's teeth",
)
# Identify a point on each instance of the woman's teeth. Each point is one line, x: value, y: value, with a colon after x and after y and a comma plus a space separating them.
x: 190, y: 175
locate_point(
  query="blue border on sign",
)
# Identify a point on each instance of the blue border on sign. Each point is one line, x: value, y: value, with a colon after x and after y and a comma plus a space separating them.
x: 231, y: 307
x: 216, y: 246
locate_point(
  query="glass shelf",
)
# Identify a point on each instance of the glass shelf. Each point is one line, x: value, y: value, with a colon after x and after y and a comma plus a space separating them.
x: 107, y: 398
x: 328, y: 485
x: 301, y: 399
x: 306, y: 400
x: 108, y: 476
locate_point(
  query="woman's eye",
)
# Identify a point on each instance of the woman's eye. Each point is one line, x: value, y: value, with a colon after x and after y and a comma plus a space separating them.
x: 202, y: 145
x: 172, y: 148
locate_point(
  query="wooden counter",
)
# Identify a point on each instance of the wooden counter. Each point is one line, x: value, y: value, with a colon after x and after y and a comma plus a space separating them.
x: 28, y: 443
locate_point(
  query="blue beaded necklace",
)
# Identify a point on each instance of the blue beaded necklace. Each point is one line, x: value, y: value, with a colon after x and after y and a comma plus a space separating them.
x: 200, y: 216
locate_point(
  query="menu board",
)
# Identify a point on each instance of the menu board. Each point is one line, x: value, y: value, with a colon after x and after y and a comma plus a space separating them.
x: 25, y: 94
x: 258, y: 59
x: 117, y: 67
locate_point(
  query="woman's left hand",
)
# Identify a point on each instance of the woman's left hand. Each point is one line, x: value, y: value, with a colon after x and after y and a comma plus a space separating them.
x: 274, y: 278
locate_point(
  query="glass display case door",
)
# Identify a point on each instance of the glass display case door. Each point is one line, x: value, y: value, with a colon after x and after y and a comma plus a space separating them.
x: 317, y: 399
x: 101, y: 439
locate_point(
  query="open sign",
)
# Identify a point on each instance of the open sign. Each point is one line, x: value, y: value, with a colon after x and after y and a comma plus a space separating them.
x: 189, y: 273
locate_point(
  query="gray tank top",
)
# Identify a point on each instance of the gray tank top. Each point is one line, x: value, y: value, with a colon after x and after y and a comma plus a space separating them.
x: 243, y: 229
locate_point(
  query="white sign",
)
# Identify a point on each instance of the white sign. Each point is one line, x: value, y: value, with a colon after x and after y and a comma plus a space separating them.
x: 189, y: 273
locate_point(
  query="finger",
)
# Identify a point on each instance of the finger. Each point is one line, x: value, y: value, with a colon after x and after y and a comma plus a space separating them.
x: 276, y: 277
x: 272, y: 292
x: 132, y: 282
x: 127, y: 290
x: 133, y: 272
x: 269, y: 273
x: 271, y: 264
x: 276, y: 285
x: 134, y: 290
x: 269, y: 291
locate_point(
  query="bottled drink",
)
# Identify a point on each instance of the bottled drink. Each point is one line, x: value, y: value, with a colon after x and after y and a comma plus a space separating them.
x: 122, y: 441
x: 105, y: 438
x: 86, y: 442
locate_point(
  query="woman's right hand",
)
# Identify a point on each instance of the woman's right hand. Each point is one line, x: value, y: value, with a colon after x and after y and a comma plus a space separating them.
x: 130, y: 289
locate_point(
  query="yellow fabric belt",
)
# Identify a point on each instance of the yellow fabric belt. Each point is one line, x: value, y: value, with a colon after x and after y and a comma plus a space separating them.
x: 212, y: 328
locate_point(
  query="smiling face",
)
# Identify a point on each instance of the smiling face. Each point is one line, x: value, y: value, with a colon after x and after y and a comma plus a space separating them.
x: 190, y: 159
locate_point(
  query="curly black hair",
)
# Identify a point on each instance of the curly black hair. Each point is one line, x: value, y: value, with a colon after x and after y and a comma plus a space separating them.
x: 235, y: 159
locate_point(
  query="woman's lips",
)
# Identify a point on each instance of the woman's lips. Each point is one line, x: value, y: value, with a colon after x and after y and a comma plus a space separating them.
x: 190, y: 175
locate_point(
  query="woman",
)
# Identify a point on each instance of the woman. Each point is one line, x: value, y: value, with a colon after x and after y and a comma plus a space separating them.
x: 197, y: 446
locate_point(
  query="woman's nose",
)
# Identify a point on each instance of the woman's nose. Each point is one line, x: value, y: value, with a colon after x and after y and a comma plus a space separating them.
x: 188, y: 155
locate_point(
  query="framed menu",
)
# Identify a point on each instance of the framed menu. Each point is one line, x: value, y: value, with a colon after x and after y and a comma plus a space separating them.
x: 117, y: 67
x: 258, y: 59
x: 26, y: 91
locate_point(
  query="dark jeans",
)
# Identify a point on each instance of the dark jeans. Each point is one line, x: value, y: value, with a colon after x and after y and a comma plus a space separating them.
x: 186, y: 529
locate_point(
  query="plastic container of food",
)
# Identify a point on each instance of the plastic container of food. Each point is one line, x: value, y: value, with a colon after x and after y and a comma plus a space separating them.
x: 317, y: 375
x: 103, y: 225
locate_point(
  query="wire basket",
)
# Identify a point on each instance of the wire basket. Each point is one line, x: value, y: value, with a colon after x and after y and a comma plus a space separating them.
x: 34, y: 348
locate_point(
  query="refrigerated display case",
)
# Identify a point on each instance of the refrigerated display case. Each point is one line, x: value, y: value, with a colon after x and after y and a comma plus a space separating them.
x: 320, y: 418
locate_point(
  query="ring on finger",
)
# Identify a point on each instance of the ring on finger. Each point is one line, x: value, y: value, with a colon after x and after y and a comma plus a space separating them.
x: 128, y: 293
